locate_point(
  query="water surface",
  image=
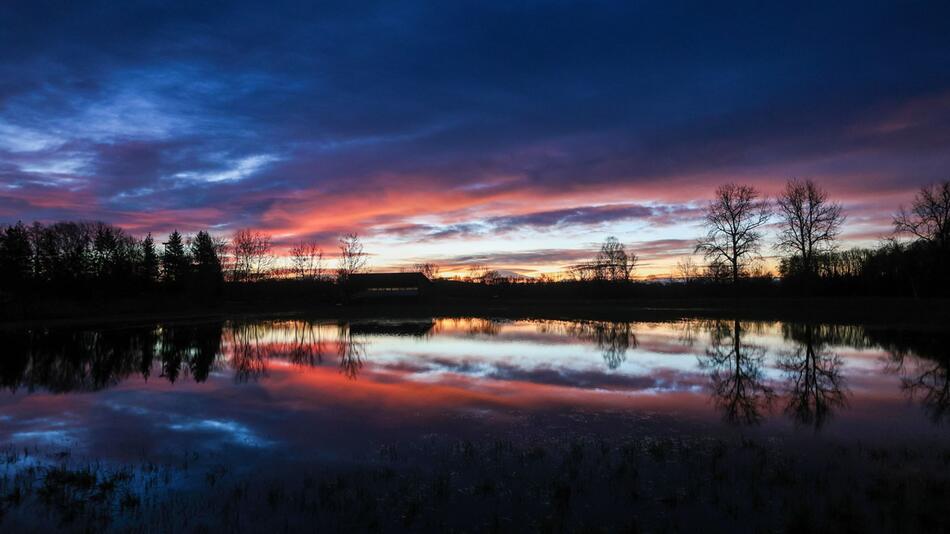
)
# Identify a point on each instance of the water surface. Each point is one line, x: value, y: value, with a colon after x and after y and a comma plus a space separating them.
x: 329, y: 390
x: 473, y: 424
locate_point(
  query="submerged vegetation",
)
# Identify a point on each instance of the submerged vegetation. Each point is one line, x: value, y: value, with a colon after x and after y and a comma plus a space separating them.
x: 624, y: 483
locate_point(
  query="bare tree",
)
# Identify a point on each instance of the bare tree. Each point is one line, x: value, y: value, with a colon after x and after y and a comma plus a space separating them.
x: 352, y: 257
x: 584, y: 272
x: 491, y: 276
x: 687, y: 270
x: 477, y: 271
x: 252, y: 255
x: 430, y: 270
x: 307, y: 260
x: 735, y: 218
x: 810, y: 223
x: 613, y: 261
x: 929, y: 216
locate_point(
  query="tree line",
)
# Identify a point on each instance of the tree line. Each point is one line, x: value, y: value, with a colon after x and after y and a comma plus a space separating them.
x: 807, y: 225
x: 73, y: 256
x: 77, y: 256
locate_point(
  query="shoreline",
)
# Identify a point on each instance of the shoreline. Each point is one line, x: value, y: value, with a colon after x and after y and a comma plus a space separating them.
x: 882, y: 312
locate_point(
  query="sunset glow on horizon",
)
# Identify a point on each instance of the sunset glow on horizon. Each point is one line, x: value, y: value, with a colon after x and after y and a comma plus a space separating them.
x: 512, y: 136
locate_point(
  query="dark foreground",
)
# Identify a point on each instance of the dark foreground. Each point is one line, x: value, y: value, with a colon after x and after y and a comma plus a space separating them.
x: 625, y: 484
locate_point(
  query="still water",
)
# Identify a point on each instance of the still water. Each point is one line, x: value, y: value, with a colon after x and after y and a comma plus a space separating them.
x: 327, y: 390
x: 462, y: 424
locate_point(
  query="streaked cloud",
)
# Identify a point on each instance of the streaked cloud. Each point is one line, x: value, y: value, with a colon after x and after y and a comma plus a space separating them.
x: 239, y: 169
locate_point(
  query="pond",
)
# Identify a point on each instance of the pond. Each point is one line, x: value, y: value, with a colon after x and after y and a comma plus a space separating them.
x: 232, y: 401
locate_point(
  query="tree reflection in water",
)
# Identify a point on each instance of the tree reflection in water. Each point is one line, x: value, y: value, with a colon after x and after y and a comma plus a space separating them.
x: 931, y: 384
x: 65, y: 360
x: 308, y: 344
x: 739, y: 389
x: 251, y: 346
x: 612, y: 338
x: 62, y: 361
x: 350, y: 351
x: 470, y: 326
x: 815, y: 385
x: 922, y: 359
x: 248, y: 351
x: 194, y: 346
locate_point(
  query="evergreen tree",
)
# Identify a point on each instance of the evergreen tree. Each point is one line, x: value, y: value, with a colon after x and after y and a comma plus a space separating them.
x: 206, y: 261
x: 149, y: 260
x: 175, y: 263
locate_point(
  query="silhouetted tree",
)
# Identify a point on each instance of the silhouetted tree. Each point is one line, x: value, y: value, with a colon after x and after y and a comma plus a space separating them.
x: 583, y: 272
x: 492, y: 276
x: 149, y: 271
x: 735, y: 218
x: 430, y: 270
x: 929, y: 216
x: 115, y: 254
x: 307, y: 261
x: 208, y: 273
x: 687, y: 270
x: 613, y: 262
x: 477, y: 271
x: 352, y: 257
x: 252, y: 255
x: 16, y: 257
x: 63, y: 252
x: 175, y: 263
x: 810, y: 224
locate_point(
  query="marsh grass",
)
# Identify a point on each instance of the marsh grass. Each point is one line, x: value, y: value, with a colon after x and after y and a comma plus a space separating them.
x: 439, y: 485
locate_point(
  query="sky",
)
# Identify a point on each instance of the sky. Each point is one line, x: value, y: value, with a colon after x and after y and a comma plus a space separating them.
x: 513, y: 134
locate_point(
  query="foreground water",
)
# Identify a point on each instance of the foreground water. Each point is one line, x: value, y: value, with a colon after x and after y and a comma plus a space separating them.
x: 175, y: 407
